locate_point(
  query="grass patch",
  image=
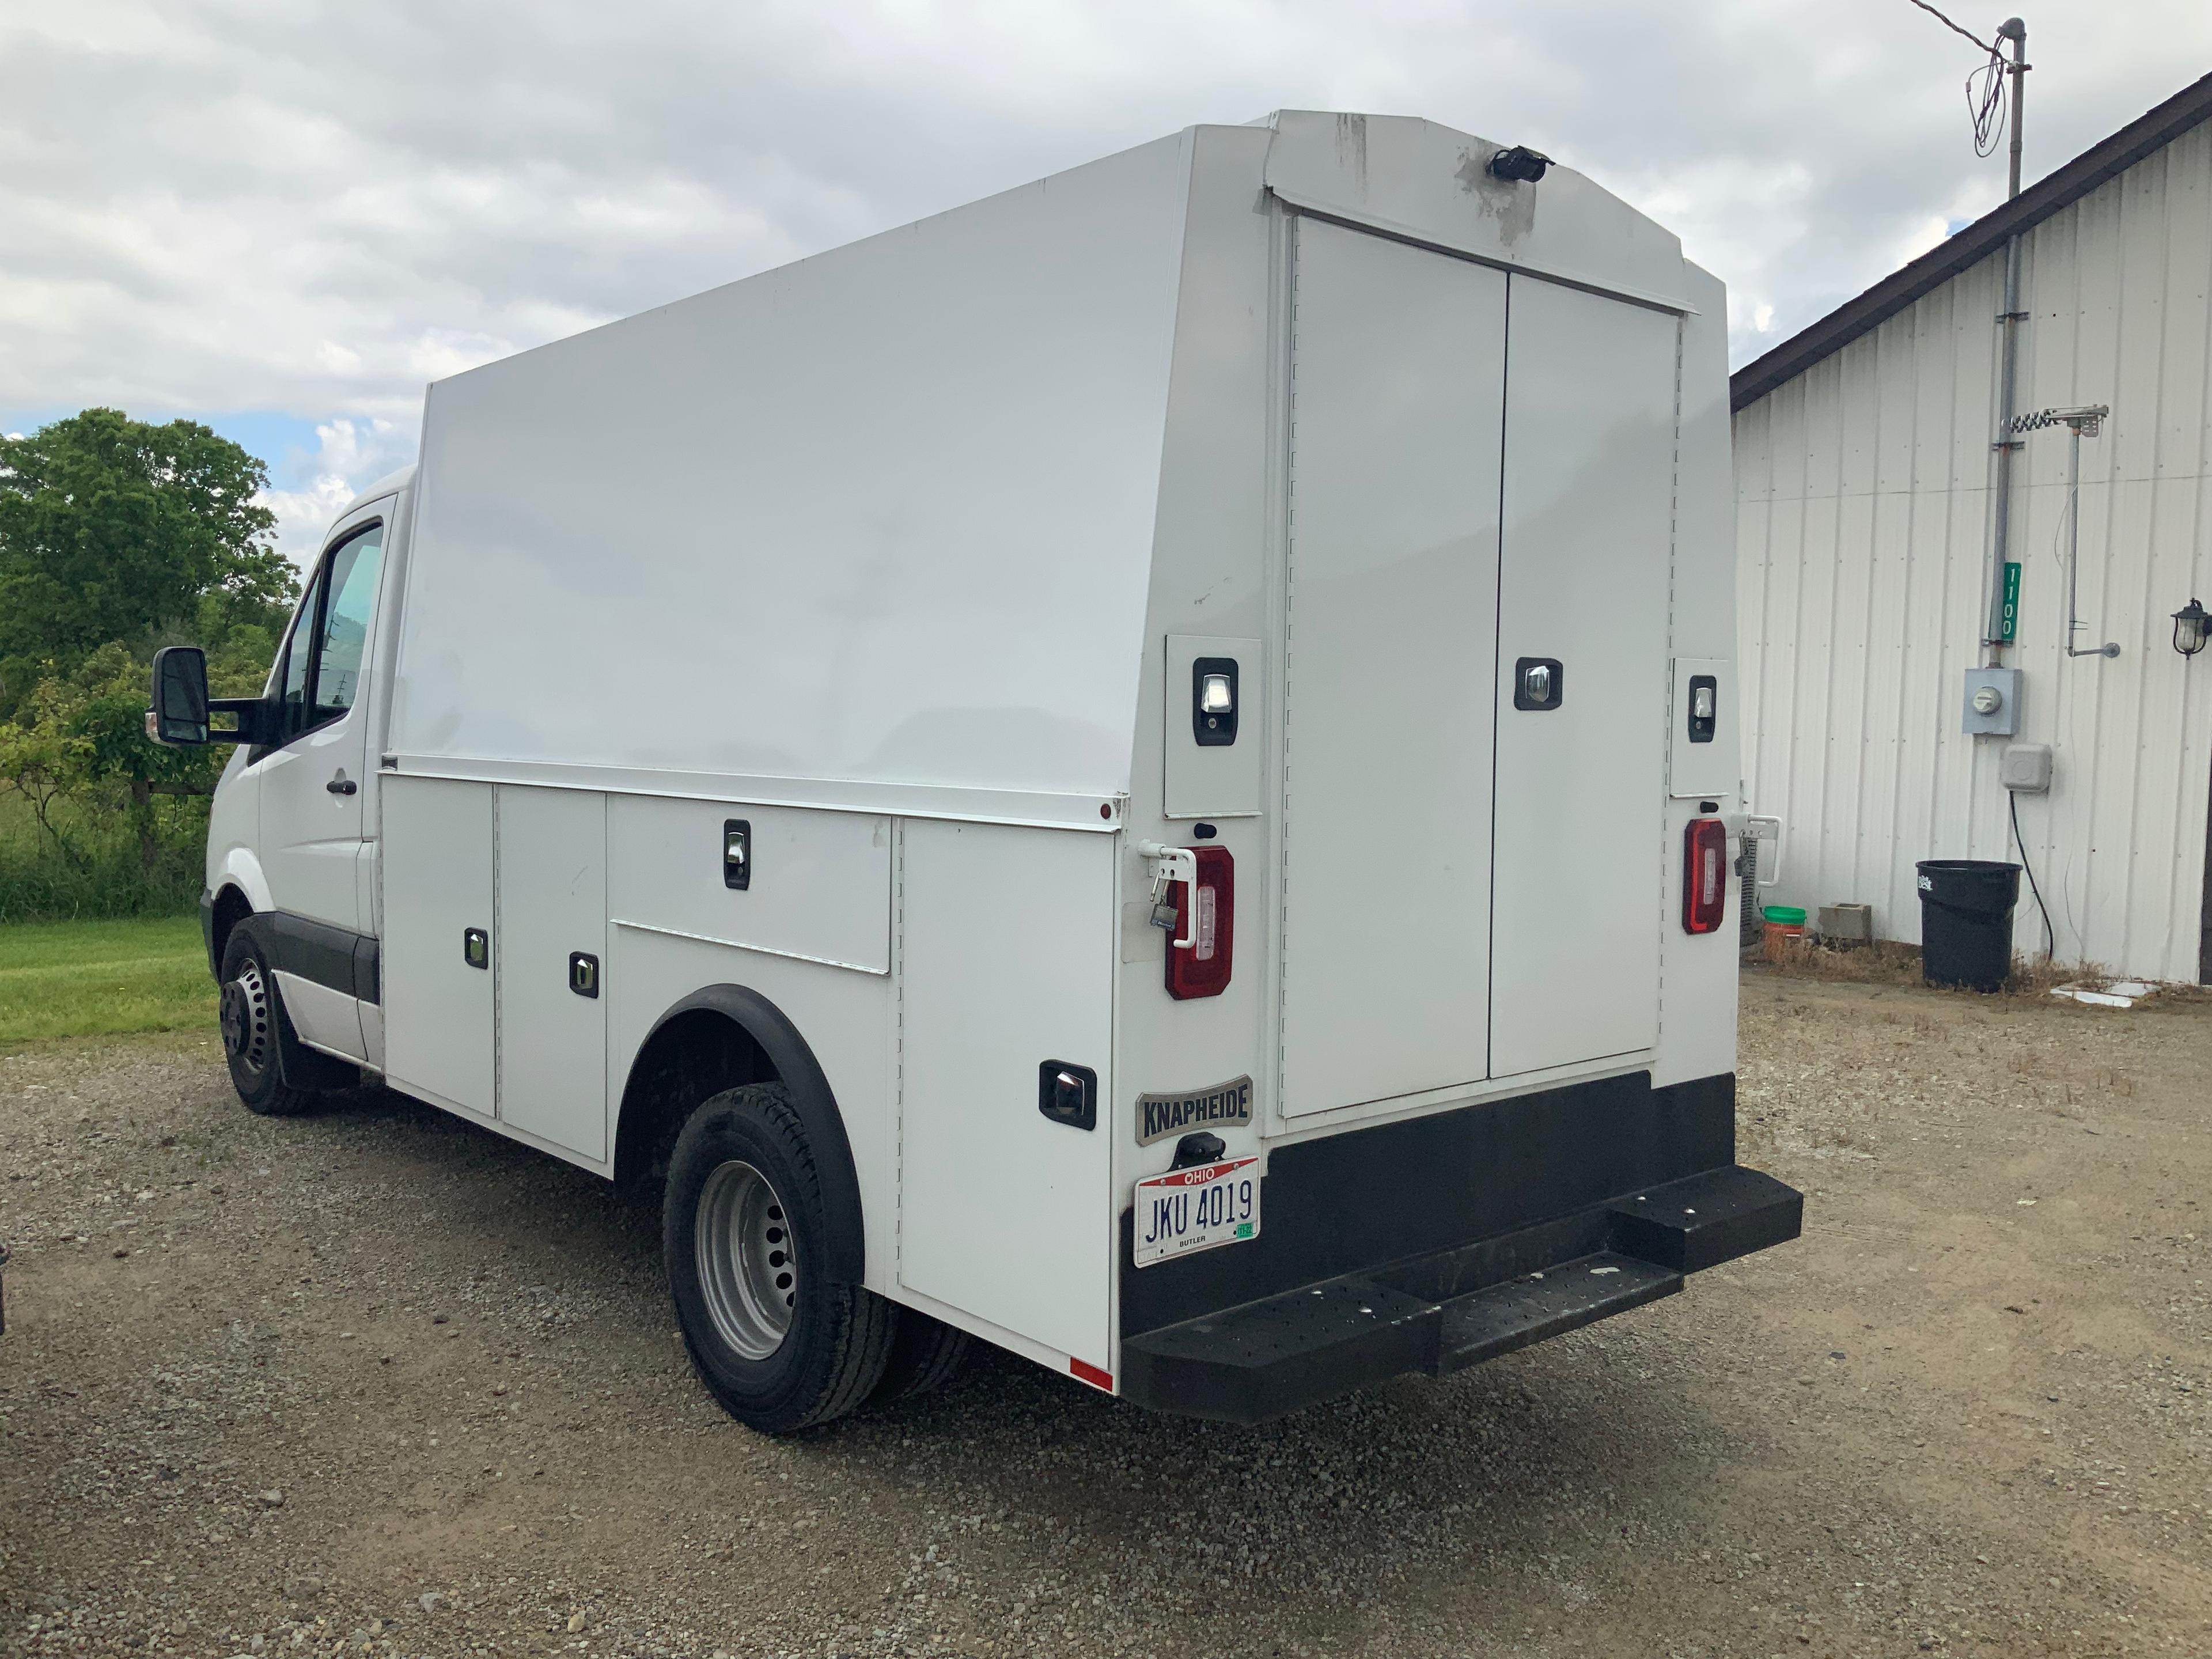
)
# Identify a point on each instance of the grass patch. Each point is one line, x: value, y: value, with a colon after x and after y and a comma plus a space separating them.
x: 1885, y: 962
x: 1889, y: 962
x: 72, y: 979
x: 95, y: 868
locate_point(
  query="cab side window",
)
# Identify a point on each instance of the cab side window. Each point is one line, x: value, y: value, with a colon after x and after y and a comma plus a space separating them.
x: 292, y: 668
x: 351, y: 584
x: 321, y: 673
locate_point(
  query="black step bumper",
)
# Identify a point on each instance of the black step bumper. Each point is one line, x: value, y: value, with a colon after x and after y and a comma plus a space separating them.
x: 1457, y: 1307
x: 1437, y: 1243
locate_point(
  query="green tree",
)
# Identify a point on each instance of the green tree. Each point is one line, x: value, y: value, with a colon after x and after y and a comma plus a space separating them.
x: 79, y: 738
x: 116, y: 531
x: 118, y: 536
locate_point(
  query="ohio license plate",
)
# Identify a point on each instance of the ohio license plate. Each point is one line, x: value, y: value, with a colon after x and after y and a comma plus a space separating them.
x: 1196, y: 1209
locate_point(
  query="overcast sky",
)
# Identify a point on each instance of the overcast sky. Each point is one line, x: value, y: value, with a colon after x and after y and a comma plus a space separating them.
x: 283, y: 218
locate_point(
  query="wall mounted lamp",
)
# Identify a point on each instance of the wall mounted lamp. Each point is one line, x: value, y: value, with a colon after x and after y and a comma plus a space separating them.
x: 2188, y: 628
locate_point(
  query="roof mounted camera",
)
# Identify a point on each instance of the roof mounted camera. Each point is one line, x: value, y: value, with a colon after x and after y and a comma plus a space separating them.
x: 1520, y: 164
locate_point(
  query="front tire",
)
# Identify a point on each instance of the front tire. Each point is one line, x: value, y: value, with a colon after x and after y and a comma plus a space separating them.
x: 745, y: 1233
x: 258, y: 1043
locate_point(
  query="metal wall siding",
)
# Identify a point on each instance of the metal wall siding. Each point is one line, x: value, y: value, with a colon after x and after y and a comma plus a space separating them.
x: 1862, y: 526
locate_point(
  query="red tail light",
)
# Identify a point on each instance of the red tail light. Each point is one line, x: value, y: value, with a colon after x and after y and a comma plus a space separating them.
x: 1207, y: 918
x: 1705, y: 875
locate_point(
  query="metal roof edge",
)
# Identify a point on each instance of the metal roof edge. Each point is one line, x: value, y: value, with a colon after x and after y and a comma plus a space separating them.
x: 2151, y: 131
x: 389, y: 485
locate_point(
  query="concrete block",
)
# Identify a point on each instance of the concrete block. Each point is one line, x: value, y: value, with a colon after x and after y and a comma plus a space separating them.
x: 1847, y: 924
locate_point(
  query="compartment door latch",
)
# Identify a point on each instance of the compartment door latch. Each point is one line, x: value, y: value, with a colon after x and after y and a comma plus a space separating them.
x: 1539, y: 684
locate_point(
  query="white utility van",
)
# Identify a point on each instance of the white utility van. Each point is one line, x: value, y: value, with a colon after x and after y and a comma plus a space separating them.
x: 1141, y: 770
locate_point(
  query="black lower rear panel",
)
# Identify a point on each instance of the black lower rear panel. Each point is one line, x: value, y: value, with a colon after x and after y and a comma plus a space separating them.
x: 1441, y: 1241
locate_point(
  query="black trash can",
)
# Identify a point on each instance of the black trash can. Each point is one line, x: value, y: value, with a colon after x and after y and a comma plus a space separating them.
x: 1966, y: 921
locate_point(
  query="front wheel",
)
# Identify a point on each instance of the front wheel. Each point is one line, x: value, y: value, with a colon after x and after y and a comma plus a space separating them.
x: 258, y: 1039
x: 746, y: 1234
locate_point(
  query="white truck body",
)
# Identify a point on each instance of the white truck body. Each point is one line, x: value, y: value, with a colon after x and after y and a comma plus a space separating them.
x: 912, y: 559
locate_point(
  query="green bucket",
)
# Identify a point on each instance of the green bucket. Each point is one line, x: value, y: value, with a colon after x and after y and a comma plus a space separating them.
x: 1785, y: 916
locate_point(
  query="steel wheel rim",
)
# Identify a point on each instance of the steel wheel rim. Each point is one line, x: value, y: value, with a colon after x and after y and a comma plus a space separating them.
x: 244, y: 1019
x: 747, y: 1260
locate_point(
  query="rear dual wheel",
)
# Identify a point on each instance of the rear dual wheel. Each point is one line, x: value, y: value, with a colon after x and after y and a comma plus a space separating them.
x: 924, y: 1354
x: 746, y: 1234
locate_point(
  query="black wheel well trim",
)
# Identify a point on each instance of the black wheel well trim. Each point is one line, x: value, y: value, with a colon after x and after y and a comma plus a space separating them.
x: 802, y: 1076
x: 227, y: 907
x: 336, y: 958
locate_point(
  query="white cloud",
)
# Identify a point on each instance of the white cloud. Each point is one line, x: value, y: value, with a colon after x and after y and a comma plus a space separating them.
x: 440, y: 352
x: 310, y: 210
x: 349, y: 454
x: 1919, y: 239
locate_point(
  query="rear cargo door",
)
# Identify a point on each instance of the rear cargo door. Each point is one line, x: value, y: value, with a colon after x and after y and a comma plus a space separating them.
x: 1581, y: 677
x: 1397, y: 359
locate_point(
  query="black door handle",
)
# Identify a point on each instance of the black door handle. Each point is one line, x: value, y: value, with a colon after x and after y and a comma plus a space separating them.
x: 342, y: 785
x: 1539, y: 683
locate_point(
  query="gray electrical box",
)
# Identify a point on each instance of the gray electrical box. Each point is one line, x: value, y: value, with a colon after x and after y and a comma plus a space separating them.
x: 2025, y: 768
x: 1993, y: 701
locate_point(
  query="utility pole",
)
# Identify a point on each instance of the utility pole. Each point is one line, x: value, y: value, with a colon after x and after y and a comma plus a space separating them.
x: 2014, y: 30
x: 2009, y: 317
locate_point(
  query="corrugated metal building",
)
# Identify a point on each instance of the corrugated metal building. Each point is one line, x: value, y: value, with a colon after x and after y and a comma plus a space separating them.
x: 1863, y: 454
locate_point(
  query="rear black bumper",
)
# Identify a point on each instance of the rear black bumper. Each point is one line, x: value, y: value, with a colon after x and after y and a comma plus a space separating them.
x: 1457, y: 1307
x: 1555, y: 1209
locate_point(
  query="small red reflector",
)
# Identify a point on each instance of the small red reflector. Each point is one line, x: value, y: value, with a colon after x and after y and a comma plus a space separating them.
x: 1090, y: 1374
x: 1201, y: 968
x: 1705, y: 875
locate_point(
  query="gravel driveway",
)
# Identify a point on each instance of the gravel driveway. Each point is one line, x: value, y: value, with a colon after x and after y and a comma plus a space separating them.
x: 378, y: 1382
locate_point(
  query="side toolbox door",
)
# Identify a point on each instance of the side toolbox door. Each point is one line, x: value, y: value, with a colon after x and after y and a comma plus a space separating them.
x: 1585, y: 551
x: 310, y: 785
x: 439, y: 947
x: 1007, y: 938
x: 552, y: 938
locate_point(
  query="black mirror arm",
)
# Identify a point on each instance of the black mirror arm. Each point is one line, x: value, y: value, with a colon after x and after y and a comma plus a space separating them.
x: 253, y: 718
x: 182, y: 714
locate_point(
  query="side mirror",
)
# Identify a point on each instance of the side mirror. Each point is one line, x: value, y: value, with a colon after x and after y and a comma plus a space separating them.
x: 179, y: 715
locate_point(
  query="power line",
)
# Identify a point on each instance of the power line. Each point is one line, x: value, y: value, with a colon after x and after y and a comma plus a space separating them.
x: 1984, y: 107
x: 1955, y: 28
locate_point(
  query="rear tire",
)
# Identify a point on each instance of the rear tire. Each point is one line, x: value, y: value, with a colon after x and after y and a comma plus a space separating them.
x: 926, y: 1354
x: 259, y: 1043
x: 744, y: 1230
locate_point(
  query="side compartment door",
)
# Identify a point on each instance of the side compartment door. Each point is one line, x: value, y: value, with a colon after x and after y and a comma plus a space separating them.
x: 1585, y: 558
x: 439, y: 947
x: 552, y: 941
x: 1008, y: 940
